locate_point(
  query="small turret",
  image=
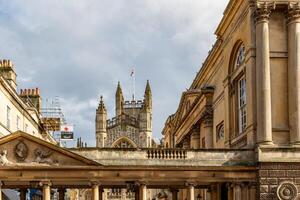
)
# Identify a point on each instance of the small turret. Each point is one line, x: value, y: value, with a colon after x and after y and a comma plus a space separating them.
x: 101, y: 117
x: 119, y: 100
x: 148, y: 96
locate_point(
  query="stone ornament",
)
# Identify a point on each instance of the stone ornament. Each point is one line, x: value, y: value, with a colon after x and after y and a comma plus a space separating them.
x: 287, y: 191
x: 43, y: 156
x: 21, y: 151
x: 3, y: 158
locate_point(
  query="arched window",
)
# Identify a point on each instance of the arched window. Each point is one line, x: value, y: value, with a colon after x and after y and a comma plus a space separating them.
x: 238, y: 91
x: 240, y: 56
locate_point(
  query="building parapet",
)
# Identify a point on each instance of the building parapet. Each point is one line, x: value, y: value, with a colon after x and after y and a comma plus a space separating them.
x: 169, y: 157
x: 122, y: 119
x: 133, y: 104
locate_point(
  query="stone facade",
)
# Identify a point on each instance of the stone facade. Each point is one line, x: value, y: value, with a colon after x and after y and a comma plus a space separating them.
x: 132, y: 125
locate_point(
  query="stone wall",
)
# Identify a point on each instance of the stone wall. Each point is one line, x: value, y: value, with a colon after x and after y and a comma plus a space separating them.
x: 279, y: 181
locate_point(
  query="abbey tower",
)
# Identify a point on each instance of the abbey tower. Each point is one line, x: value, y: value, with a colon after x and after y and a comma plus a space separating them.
x: 132, y: 125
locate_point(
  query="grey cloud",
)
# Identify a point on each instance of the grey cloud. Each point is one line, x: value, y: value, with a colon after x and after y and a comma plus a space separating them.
x: 78, y: 50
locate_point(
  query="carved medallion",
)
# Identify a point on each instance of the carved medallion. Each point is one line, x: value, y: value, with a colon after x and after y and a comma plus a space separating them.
x: 21, y: 151
x: 287, y: 191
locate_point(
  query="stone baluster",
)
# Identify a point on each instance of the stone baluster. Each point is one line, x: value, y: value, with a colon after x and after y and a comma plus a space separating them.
x: 294, y: 71
x: 263, y: 74
x: 46, y: 184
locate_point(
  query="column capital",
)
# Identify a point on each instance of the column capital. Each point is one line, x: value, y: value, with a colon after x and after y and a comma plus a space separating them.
x: 139, y: 183
x: 190, y: 184
x: 95, y: 183
x: 263, y: 11
x: 293, y: 12
x: 43, y: 183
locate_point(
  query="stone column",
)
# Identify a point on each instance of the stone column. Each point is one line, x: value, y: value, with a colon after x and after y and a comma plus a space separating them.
x: 214, y: 192
x: 101, y: 190
x: 237, y: 191
x: 174, y: 194
x: 23, y: 193
x: 294, y: 71
x: 61, y: 192
x: 143, y: 191
x: 263, y: 75
x: 252, y: 191
x: 191, y: 191
x: 1, y: 190
x: 208, y: 127
x: 46, y: 184
x: 229, y: 191
x: 95, y: 190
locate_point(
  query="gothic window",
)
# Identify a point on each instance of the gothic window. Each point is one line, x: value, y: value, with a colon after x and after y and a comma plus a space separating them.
x: 220, y: 131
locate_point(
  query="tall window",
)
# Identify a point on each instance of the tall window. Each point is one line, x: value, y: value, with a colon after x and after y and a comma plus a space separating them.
x: 26, y: 128
x: 18, y: 122
x: 242, y: 104
x: 8, y: 117
x: 237, y: 90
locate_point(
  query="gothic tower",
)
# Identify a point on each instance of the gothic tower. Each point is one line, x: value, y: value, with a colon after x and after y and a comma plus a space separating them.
x: 131, y: 127
x: 119, y: 100
x: 101, y: 116
x: 146, y: 117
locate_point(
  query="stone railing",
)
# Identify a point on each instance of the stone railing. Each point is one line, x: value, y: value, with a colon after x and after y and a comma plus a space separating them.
x: 170, y: 157
x: 166, y: 154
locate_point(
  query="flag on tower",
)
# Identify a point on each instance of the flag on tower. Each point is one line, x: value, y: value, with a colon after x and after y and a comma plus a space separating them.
x: 132, y: 72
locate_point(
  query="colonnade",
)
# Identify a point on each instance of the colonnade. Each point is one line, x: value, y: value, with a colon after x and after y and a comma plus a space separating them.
x: 234, y: 191
x: 263, y: 72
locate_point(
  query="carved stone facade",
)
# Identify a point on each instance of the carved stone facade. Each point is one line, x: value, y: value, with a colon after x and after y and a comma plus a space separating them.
x: 279, y: 181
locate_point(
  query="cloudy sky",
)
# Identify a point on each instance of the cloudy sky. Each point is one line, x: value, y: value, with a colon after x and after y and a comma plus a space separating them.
x: 79, y: 49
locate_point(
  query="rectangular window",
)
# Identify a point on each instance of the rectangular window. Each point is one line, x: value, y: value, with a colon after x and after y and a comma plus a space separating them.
x: 26, y: 128
x: 242, y: 105
x: 8, y: 117
x: 18, y: 122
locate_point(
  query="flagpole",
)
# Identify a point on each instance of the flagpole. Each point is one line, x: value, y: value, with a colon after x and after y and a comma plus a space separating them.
x: 134, y: 83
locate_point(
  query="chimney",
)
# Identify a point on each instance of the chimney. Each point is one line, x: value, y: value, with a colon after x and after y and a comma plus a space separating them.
x: 32, y: 97
x: 7, y: 71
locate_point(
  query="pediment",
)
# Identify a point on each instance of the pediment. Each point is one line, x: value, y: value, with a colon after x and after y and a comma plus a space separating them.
x: 22, y: 149
x: 187, y: 101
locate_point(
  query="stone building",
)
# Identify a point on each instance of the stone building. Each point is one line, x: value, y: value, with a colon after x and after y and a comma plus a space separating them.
x: 246, y: 94
x: 132, y: 125
x: 19, y: 111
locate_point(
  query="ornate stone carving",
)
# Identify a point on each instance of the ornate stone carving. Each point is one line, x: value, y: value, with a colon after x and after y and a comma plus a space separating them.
x: 43, y: 156
x: 3, y: 158
x: 263, y: 11
x: 294, y: 11
x: 287, y: 191
x: 21, y: 151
